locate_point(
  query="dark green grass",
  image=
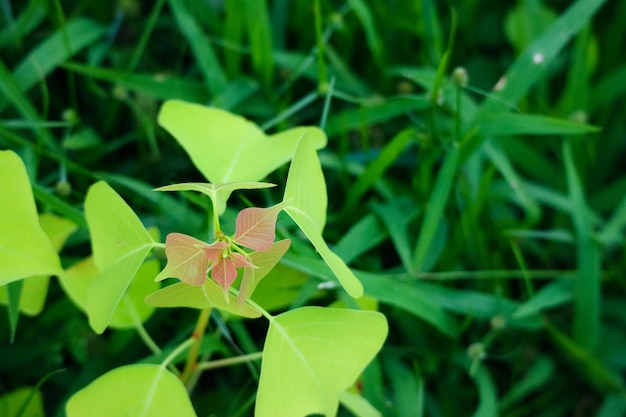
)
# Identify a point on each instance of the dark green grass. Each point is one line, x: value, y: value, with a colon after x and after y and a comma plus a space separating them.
x: 488, y: 223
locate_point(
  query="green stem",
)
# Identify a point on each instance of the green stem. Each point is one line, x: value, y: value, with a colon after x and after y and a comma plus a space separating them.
x: 260, y: 309
x: 176, y: 352
x: 204, y: 366
x: 143, y: 334
x: 192, y: 356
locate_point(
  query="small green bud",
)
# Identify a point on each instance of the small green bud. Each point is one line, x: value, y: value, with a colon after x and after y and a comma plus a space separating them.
x: 63, y: 188
x: 498, y: 322
x: 476, y: 351
x: 120, y: 93
x: 579, y: 116
x: 460, y: 77
x: 70, y: 115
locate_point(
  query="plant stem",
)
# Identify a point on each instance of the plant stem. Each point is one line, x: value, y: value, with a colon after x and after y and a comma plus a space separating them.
x: 177, y: 351
x: 192, y: 356
x: 143, y: 334
x: 229, y: 361
x: 260, y: 310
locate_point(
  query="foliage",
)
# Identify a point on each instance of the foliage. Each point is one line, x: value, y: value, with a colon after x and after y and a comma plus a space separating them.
x: 304, y: 178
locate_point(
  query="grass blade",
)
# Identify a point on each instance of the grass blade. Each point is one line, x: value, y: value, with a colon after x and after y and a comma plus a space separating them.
x: 376, y: 169
x: 587, y: 292
x: 436, y: 205
x: 206, y: 58
x: 372, y: 38
x: 52, y: 52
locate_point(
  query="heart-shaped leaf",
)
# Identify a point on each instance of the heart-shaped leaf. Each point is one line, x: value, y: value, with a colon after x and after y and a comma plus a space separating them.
x: 255, y: 227
x: 186, y: 259
x: 264, y: 262
x: 305, y: 202
x: 311, y: 355
x: 217, y: 192
x: 23, y: 402
x: 77, y: 279
x: 132, y: 390
x: 33, y: 294
x: 120, y: 244
x: 228, y: 148
x: 25, y: 250
x: 209, y: 295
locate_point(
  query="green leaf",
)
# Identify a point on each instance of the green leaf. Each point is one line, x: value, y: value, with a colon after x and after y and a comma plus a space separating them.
x: 23, y: 402
x: 209, y: 295
x: 218, y: 193
x: 132, y: 309
x: 279, y: 288
x: 35, y: 288
x: 120, y: 244
x: 311, y: 355
x: 305, y: 202
x: 154, y: 392
x: 263, y: 263
x: 25, y: 250
x: 227, y: 148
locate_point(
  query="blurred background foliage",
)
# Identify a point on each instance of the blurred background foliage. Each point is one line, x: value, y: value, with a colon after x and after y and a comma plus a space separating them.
x: 485, y: 215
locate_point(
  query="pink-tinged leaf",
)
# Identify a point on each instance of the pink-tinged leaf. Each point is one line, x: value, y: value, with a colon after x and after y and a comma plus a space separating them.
x: 255, y: 227
x: 214, y: 251
x: 264, y: 263
x: 224, y: 271
x: 186, y: 259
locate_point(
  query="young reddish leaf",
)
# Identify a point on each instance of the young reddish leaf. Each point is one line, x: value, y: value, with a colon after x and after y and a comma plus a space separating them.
x: 224, y: 271
x: 255, y: 227
x: 264, y: 262
x: 186, y: 259
x: 214, y: 251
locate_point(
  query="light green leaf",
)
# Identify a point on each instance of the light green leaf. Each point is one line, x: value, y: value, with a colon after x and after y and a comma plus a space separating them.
x: 306, y: 200
x: 279, y: 288
x: 263, y: 263
x: 23, y: 402
x: 25, y: 250
x: 154, y: 392
x: 218, y: 193
x: 132, y: 309
x: 33, y: 295
x: 227, y: 148
x: 209, y: 295
x: 120, y: 244
x: 311, y: 355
